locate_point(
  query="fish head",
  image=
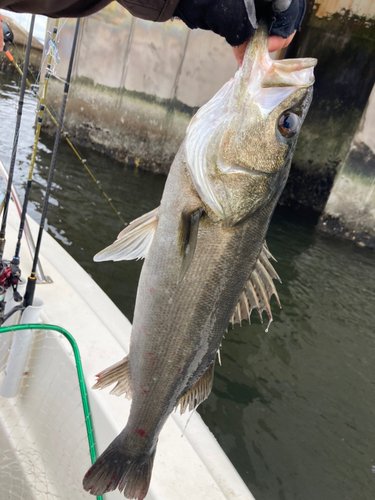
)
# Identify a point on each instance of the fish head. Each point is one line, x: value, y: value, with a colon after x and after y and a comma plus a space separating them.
x: 240, y: 144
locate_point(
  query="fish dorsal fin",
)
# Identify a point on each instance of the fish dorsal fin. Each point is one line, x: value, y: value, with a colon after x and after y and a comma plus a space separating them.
x: 118, y: 373
x: 134, y: 241
x: 188, y: 235
x: 199, y: 392
x: 258, y: 290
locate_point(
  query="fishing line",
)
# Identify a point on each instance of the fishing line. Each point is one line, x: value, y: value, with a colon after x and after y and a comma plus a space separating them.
x: 70, y: 143
x: 30, y: 288
x: 15, y: 140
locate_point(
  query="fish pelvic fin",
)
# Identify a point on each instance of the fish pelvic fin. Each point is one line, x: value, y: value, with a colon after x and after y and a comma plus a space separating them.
x: 134, y: 241
x: 199, y: 392
x: 116, y: 469
x: 118, y: 373
x: 258, y: 290
x: 187, y: 239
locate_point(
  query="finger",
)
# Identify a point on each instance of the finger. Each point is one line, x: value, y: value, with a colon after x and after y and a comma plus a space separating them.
x: 239, y: 52
x: 277, y: 42
x: 274, y: 43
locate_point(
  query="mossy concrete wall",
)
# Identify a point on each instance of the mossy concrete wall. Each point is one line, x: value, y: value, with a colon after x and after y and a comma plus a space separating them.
x: 341, y: 35
x: 137, y: 84
x: 350, y: 210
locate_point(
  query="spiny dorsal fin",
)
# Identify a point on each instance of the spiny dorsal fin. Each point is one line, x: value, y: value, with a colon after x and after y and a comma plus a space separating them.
x: 258, y: 290
x: 120, y: 373
x: 188, y: 235
x: 134, y: 241
x: 199, y: 392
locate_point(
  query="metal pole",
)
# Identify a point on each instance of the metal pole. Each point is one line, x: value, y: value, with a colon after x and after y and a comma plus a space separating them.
x: 16, y: 136
x: 30, y: 289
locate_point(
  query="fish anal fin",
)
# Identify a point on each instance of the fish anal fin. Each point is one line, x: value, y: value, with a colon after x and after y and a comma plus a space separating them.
x: 134, y: 241
x: 258, y: 290
x: 187, y: 240
x: 118, y: 374
x: 199, y: 392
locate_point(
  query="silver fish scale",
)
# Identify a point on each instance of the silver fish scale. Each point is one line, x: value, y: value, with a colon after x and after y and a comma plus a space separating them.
x: 178, y: 327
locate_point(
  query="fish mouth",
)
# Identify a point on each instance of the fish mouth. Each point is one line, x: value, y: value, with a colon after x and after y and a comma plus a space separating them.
x: 260, y: 71
x: 297, y: 73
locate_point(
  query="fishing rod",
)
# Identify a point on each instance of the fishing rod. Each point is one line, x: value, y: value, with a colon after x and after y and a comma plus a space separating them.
x: 16, y: 258
x: 9, y: 39
x: 10, y: 273
x: 69, y: 142
x: 30, y: 288
x: 13, y: 269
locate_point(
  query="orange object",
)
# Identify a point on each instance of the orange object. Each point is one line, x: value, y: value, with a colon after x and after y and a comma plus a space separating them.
x: 9, y: 55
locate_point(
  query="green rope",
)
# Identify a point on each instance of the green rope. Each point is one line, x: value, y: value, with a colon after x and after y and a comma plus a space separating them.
x: 81, y: 380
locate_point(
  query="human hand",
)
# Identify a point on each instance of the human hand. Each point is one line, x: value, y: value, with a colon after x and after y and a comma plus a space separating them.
x: 274, y: 43
x: 239, y: 20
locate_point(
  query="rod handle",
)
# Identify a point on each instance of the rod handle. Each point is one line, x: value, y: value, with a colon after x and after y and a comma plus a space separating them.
x: 30, y: 291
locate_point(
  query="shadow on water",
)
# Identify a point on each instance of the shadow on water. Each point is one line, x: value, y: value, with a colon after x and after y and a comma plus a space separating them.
x: 292, y: 408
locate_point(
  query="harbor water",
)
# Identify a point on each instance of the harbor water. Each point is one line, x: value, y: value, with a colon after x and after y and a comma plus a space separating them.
x: 293, y: 408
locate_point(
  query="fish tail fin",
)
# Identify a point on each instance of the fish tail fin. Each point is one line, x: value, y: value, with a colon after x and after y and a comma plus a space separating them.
x: 117, y: 469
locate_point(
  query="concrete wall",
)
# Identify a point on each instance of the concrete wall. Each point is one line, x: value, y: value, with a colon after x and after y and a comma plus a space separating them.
x: 350, y: 210
x: 341, y: 35
x: 136, y: 84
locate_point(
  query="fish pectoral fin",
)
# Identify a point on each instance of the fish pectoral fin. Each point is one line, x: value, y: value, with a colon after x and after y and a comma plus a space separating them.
x: 187, y: 238
x: 120, y: 373
x: 258, y: 290
x: 199, y: 392
x: 134, y: 241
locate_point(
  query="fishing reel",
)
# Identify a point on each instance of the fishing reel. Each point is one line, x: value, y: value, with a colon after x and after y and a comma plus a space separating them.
x: 8, y: 36
x: 10, y: 275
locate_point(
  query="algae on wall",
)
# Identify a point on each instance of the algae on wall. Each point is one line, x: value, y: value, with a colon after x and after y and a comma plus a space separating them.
x: 132, y: 128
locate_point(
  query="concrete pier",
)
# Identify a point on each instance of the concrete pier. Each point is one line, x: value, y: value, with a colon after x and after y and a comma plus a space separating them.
x: 350, y: 210
x: 341, y: 35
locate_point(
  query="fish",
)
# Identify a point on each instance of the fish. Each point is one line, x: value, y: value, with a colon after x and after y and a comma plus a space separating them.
x: 206, y: 259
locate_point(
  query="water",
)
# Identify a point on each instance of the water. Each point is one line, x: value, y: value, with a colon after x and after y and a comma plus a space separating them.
x: 293, y: 408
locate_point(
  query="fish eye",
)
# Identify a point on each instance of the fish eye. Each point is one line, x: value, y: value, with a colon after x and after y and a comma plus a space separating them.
x: 288, y: 124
